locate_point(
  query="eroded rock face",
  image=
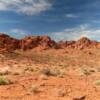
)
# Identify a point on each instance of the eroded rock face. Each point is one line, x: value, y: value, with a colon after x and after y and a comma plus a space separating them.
x: 85, y: 43
x: 43, y: 42
x: 80, y: 44
x: 62, y: 44
x: 31, y: 42
x: 8, y: 43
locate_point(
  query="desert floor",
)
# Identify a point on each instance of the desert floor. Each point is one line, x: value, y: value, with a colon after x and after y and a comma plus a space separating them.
x: 50, y: 75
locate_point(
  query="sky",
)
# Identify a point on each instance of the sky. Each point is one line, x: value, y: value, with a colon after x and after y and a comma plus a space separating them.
x: 60, y: 19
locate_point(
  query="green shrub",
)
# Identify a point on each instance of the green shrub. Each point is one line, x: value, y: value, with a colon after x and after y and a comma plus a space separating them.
x: 4, y: 81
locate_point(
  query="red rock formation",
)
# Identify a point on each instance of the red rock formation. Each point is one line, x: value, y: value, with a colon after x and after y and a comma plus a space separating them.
x: 80, y: 44
x: 62, y: 44
x: 43, y: 42
x: 46, y: 42
x: 8, y: 43
x: 85, y: 43
x: 66, y: 44
x: 31, y: 42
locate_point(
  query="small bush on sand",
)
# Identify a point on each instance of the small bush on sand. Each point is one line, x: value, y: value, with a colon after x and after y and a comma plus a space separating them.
x: 16, y: 73
x: 34, y: 89
x: 97, y: 82
x: 49, y: 72
x: 30, y: 69
x: 84, y: 72
x: 4, y: 81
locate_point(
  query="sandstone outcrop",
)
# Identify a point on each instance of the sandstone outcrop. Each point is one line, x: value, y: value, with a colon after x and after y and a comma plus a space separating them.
x: 8, y: 43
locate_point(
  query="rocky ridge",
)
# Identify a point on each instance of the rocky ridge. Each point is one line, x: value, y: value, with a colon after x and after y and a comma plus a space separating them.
x: 8, y: 43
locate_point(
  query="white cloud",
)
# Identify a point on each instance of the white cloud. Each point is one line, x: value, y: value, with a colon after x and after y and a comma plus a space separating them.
x: 77, y: 32
x: 18, y: 33
x: 28, y: 7
x: 71, y: 16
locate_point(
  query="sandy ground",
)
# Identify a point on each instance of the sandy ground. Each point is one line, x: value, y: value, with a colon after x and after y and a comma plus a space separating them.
x: 51, y: 75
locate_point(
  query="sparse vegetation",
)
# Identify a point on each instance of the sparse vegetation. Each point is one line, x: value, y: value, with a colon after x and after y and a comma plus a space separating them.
x: 34, y: 89
x: 16, y: 73
x: 30, y: 69
x: 49, y: 72
x: 4, y: 81
x: 84, y: 72
x: 97, y: 82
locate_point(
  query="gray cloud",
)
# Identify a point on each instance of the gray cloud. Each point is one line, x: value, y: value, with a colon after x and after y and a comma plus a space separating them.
x: 28, y: 7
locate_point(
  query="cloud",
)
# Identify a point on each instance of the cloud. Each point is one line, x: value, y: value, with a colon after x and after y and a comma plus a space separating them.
x: 18, y: 33
x: 84, y: 30
x: 28, y: 7
x: 71, y: 16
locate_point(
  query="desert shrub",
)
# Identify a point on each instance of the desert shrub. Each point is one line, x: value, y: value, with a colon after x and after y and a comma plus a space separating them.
x: 16, y: 73
x: 46, y: 71
x: 97, y: 82
x: 4, y: 81
x: 84, y: 72
x: 49, y: 72
x: 29, y: 69
x: 34, y: 89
